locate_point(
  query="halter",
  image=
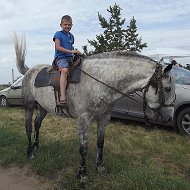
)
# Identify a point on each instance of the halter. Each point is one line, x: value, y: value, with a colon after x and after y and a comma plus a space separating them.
x: 156, y: 82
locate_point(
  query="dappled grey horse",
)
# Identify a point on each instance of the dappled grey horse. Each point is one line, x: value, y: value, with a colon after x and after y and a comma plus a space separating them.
x: 105, y: 78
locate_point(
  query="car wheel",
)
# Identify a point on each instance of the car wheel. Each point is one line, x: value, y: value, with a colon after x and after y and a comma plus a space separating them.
x: 3, y: 102
x: 183, y: 122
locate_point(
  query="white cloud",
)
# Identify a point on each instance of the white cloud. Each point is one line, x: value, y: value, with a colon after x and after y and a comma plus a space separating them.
x: 161, y: 23
x: 159, y: 11
x: 166, y: 38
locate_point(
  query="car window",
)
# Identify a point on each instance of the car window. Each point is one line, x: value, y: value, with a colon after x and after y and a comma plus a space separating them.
x: 182, y: 76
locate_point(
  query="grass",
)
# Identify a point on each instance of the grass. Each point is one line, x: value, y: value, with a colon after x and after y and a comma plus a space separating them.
x: 135, y: 158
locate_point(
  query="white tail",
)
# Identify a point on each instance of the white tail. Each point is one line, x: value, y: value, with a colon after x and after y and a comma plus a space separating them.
x: 20, y: 50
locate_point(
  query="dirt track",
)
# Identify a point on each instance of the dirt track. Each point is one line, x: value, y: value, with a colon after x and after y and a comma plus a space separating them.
x: 19, y: 179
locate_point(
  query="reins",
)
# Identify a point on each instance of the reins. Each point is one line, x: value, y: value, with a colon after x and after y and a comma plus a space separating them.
x: 111, y: 87
x: 155, y: 81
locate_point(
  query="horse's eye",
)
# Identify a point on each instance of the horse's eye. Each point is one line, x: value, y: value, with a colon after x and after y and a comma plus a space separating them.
x: 168, y: 89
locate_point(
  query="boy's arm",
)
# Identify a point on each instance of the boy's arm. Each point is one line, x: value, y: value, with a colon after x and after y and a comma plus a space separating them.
x: 64, y: 50
x: 59, y: 48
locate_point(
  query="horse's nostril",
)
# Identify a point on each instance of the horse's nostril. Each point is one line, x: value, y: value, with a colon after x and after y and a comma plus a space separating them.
x: 168, y: 89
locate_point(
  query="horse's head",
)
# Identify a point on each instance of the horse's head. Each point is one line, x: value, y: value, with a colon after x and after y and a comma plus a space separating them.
x: 159, y: 93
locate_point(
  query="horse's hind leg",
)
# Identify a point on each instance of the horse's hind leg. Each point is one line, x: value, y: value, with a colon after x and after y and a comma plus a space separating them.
x: 37, y: 124
x: 101, y: 125
x: 28, y: 125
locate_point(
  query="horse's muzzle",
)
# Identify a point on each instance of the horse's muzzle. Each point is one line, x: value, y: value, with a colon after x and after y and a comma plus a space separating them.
x: 166, y: 114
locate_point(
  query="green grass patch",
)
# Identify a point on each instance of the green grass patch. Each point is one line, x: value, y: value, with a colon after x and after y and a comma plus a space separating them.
x: 135, y: 158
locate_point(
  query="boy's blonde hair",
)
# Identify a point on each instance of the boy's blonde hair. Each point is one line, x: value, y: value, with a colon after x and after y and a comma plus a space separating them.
x: 66, y: 18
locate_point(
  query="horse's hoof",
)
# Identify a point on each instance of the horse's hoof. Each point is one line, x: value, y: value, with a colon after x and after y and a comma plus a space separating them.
x: 84, y: 183
x: 101, y: 170
x: 31, y: 156
x: 83, y: 180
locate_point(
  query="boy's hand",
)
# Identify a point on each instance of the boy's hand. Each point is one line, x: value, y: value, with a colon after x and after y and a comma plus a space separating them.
x: 76, y: 51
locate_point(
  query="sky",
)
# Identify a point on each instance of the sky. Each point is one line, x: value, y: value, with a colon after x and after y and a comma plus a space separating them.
x: 160, y: 23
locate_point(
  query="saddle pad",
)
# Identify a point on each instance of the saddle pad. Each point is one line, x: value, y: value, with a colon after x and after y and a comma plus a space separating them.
x: 44, y: 78
x: 75, y: 74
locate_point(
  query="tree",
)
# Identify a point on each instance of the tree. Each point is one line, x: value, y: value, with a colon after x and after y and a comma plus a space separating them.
x: 114, y: 36
x: 133, y: 42
x: 187, y: 66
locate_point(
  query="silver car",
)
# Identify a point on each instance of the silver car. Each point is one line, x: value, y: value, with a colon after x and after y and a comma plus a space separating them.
x: 12, y: 95
x: 126, y: 108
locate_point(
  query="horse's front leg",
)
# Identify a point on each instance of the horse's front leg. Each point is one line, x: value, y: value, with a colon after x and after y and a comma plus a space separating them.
x: 101, y: 126
x: 82, y: 125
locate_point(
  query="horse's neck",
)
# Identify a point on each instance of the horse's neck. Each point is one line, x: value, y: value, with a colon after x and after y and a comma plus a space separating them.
x: 124, y: 75
x: 134, y: 76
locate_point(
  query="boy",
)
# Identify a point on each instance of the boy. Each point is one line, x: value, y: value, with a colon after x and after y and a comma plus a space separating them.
x: 64, y: 41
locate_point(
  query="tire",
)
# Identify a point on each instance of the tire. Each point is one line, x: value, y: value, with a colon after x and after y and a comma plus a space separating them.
x: 3, y: 102
x: 183, y: 122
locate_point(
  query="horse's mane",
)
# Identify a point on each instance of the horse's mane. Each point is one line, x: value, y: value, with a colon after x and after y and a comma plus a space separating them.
x: 117, y: 54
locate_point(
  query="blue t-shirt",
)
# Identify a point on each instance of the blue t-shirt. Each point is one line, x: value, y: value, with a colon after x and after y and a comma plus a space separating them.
x: 66, y: 41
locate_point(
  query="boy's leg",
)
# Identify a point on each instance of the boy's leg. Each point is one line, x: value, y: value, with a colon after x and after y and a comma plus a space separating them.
x: 63, y: 83
x: 63, y: 68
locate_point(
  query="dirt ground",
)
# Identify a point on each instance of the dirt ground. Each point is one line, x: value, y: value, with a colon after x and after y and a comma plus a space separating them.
x: 14, y: 178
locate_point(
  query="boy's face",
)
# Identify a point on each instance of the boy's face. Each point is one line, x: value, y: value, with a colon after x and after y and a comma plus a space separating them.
x: 66, y: 25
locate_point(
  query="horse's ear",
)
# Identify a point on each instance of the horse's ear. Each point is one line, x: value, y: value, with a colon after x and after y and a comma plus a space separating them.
x: 168, y: 68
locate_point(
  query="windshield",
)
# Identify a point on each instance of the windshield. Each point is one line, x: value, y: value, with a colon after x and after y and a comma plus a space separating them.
x: 18, y: 82
x: 182, y: 76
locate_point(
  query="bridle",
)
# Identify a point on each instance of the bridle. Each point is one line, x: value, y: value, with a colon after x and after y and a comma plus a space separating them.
x: 156, y: 82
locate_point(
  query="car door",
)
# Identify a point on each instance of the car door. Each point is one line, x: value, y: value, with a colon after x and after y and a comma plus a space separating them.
x: 135, y: 106
x: 120, y: 108
x: 14, y: 95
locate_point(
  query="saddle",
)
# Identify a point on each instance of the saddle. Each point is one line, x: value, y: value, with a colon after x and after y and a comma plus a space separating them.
x: 50, y: 76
